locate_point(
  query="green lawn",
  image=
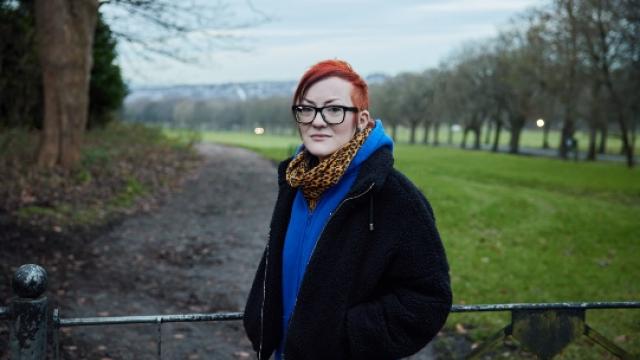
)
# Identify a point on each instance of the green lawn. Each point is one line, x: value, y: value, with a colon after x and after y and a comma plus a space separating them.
x: 535, y: 230
x: 522, y: 229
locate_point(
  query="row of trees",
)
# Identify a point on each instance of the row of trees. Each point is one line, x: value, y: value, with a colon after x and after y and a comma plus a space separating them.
x: 573, y: 63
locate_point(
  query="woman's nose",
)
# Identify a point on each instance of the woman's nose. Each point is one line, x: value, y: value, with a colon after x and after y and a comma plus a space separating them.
x: 318, y: 120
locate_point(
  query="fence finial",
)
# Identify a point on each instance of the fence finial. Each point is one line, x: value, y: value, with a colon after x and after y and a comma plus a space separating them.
x: 28, y: 313
x: 30, y: 281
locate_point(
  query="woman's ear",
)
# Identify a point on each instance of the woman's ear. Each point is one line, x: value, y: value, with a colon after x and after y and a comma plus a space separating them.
x: 365, y: 120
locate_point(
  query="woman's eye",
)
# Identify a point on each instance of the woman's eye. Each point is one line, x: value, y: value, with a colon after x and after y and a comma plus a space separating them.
x: 334, y: 109
x: 305, y: 110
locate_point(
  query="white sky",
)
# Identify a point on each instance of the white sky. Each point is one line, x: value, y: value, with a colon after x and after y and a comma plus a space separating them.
x: 373, y: 35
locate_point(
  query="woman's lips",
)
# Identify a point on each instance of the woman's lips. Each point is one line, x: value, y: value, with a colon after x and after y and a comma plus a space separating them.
x: 319, y: 136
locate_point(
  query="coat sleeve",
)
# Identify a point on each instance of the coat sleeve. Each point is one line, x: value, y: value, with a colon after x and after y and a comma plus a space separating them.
x: 416, y: 297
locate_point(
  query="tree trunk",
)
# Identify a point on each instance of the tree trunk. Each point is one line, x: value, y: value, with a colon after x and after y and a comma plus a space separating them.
x: 436, y: 132
x: 477, y: 133
x: 516, y: 131
x: 463, y: 144
x: 449, y: 133
x: 595, y: 119
x: 591, y: 154
x: 425, y: 136
x: 496, y: 139
x: 412, y: 132
x: 566, y: 135
x: 64, y: 30
x: 604, y: 130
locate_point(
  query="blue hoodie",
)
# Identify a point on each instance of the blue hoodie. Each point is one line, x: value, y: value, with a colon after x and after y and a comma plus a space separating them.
x: 305, y: 226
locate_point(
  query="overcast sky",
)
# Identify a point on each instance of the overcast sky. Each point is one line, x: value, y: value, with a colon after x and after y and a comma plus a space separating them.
x: 373, y: 35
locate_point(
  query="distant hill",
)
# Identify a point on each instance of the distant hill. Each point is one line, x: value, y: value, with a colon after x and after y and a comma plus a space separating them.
x: 227, y: 91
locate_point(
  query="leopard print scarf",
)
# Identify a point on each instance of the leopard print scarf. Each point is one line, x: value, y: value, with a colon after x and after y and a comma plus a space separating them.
x: 315, y: 180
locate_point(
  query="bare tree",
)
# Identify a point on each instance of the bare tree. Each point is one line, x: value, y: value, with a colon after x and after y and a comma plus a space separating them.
x: 520, y: 73
x: 385, y: 104
x: 612, y: 48
x: 413, y: 97
x: 428, y: 102
x: 439, y: 106
x: 64, y: 30
x: 567, y: 68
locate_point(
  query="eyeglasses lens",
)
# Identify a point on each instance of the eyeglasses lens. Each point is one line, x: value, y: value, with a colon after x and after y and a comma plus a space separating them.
x: 333, y: 115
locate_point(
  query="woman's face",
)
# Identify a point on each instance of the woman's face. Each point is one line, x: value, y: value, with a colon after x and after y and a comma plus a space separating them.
x: 320, y: 138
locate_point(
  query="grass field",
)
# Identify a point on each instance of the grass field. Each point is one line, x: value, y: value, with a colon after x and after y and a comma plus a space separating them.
x: 535, y: 230
x: 522, y: 229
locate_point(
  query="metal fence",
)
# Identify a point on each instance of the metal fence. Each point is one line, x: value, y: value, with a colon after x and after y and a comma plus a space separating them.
x: 542, y: 329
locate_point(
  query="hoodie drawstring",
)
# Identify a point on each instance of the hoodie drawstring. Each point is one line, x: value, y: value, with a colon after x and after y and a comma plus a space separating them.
x: 371, y: 213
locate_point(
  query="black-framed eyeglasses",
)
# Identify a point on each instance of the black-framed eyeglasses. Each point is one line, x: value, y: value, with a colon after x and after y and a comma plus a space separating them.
x: 331, y: 114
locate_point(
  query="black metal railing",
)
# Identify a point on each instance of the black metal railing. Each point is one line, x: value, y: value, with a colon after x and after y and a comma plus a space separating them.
x: 158, y: 320
x: 543, y: 329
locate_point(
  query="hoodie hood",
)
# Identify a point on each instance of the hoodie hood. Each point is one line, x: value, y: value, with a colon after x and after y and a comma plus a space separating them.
x: 377, y: 139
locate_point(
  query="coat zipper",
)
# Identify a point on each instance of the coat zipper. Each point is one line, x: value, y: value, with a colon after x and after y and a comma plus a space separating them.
x: 314, y: 249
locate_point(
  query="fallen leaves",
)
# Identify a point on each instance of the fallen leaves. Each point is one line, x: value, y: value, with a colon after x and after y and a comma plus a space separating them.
x: 621, y: 338
x: 100, y: 188
x: 460, y: 329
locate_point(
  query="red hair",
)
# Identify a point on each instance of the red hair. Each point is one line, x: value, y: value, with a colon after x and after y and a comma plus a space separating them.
x: 338, y: 68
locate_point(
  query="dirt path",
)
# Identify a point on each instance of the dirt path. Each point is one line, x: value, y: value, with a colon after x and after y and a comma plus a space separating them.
x: 196, y: 253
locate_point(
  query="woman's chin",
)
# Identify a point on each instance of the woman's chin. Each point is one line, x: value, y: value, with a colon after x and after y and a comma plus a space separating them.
x: 319, y: 153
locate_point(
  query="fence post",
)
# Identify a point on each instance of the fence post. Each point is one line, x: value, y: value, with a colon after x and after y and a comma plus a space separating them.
x: 28, y: 314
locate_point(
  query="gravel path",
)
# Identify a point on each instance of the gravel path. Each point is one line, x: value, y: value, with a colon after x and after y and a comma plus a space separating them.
x: 196, y: 253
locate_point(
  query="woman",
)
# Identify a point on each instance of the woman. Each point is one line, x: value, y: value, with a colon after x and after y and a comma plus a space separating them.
x: 354, y: 267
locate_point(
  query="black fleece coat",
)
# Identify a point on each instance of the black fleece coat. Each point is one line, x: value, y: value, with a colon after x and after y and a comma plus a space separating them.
x: 377, y: 284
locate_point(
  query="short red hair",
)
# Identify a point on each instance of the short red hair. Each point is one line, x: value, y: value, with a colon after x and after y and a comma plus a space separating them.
x: 338, y: 68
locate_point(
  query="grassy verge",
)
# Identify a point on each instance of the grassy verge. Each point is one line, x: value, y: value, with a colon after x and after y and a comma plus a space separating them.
x: 123, y: 168
x: 521, y: 229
